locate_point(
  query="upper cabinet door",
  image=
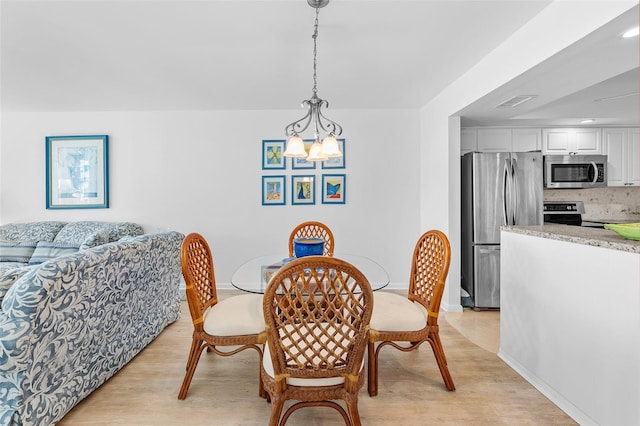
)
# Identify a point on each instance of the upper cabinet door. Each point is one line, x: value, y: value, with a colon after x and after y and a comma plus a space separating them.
x: 524, y: 140
x: 468, y: 140
x: 614, y: 142
x: 572, y: 141
x: 494, y: 140
x: 633, y: 142
x: 622, y: 147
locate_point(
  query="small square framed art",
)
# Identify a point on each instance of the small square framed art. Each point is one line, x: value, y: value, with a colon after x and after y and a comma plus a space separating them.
x: 303, y: 189
x: 272, y: 158
x: 273, y: 190
x: 334, y: 189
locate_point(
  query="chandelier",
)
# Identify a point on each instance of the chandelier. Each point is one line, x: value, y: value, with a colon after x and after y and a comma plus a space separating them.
x: 314, y: 118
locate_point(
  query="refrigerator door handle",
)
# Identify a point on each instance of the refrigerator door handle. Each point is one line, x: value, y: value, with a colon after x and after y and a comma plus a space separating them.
x: 514, y: 186
x: 505, y: 212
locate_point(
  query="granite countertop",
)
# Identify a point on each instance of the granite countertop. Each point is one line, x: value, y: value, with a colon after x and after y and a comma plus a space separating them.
x: 622, y: 220
x: 578, y: 234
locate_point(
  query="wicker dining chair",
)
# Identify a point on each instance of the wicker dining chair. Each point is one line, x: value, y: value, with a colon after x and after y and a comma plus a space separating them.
x: 313, y: 229
x: 317, y: 311
x: 234, y: 322
x: 407, y: 322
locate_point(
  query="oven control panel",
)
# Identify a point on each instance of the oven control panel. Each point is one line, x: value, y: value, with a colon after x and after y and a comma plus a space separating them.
x: 563, y: 207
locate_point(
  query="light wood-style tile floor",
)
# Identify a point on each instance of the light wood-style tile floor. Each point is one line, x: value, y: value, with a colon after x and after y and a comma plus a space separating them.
x: 224, y: 390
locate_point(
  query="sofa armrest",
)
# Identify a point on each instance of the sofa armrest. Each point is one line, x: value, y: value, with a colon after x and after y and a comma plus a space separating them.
x: 14, y: 349
x: 10, y: 276
x: 73, y: 322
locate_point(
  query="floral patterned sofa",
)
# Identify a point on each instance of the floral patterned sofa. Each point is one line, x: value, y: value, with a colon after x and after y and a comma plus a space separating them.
x: 70, y: 323
x: 23, y: 246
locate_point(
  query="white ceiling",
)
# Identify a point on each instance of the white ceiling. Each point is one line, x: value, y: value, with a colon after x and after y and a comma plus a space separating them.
x: 209, y: 54
x: 574, y: 84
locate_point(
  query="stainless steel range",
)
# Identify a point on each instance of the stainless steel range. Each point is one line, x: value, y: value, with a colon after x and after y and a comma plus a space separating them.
x: 567, y: 213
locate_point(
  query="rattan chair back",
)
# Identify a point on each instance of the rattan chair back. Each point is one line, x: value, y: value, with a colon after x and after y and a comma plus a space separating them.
x: 317, y: 311
x: 199, y: 276
x: 313, y: 229
x: 429, y: 269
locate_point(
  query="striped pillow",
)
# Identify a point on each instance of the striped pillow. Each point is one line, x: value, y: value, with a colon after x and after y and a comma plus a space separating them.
x: 16, y: 251
x: 46, y: 250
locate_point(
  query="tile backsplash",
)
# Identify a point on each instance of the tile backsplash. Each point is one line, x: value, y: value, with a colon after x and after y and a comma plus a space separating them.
x: 611, y: 203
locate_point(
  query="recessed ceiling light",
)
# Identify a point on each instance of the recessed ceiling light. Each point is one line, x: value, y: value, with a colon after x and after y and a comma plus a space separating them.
x: 633, y: 32
x: 588, y: 120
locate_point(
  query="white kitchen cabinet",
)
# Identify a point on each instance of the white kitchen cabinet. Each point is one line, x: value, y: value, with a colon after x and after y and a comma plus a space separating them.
x: 577, y: 140
x: 524, y: 140
x: 485, y: 140
x: 622, y: 147
x: 468, y: 140
x: 634, y: 156
x: 494, y: 140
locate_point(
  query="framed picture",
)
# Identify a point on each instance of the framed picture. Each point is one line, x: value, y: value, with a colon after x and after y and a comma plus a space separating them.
x: 303, y: 189
x: 77, y: 172
x: 333, y: 189
x: 272, y: 158
x: 336, y: 163
x: 301, y: 163
x: 273, y: 190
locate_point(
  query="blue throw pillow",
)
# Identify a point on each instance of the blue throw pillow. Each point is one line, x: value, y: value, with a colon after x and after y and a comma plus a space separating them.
x: 16, y: 251
x: 46, y: 250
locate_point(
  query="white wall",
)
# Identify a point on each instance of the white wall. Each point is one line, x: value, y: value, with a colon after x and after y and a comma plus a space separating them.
x: 556, y: 27
x: 201, y: 172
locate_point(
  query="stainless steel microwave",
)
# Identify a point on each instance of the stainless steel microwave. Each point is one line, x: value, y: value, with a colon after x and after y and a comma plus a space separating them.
x: 575, y: 171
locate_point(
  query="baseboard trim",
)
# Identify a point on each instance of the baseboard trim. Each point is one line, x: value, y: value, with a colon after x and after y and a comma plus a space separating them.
x: 560, y: 401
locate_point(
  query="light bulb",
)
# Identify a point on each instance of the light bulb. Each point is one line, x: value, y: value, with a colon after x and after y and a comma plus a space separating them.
x: 315, y: 152
x: 295, y: 148
x: 330, y: 147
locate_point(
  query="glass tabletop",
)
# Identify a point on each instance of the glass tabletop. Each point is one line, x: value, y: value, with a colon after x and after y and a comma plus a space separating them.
x: 252, y: 276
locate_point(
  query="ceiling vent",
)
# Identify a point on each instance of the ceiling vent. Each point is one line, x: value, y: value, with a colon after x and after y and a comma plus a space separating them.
x: 515, y: 101
x: 610, y: 98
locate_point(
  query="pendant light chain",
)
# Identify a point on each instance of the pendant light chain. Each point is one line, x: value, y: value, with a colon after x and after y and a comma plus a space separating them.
x: 314, y: 119
x: 315, y: 54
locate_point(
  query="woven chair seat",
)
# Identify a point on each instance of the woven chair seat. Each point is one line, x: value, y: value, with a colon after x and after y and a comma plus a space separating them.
x: 235, y: 316
x: 392, y: 312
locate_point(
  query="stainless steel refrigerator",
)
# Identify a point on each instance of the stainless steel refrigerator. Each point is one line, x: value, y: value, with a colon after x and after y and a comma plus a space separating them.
x: 497, y: 188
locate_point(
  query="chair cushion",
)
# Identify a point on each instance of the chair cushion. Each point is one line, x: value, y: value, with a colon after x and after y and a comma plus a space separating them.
x: 392, y: 312
x: 235, y: 316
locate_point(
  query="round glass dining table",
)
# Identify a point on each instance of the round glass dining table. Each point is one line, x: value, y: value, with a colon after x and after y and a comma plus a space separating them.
x: 253, y: 275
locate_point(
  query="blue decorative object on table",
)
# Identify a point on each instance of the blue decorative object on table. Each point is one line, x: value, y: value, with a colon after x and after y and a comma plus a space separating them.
x: 308, y: 247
